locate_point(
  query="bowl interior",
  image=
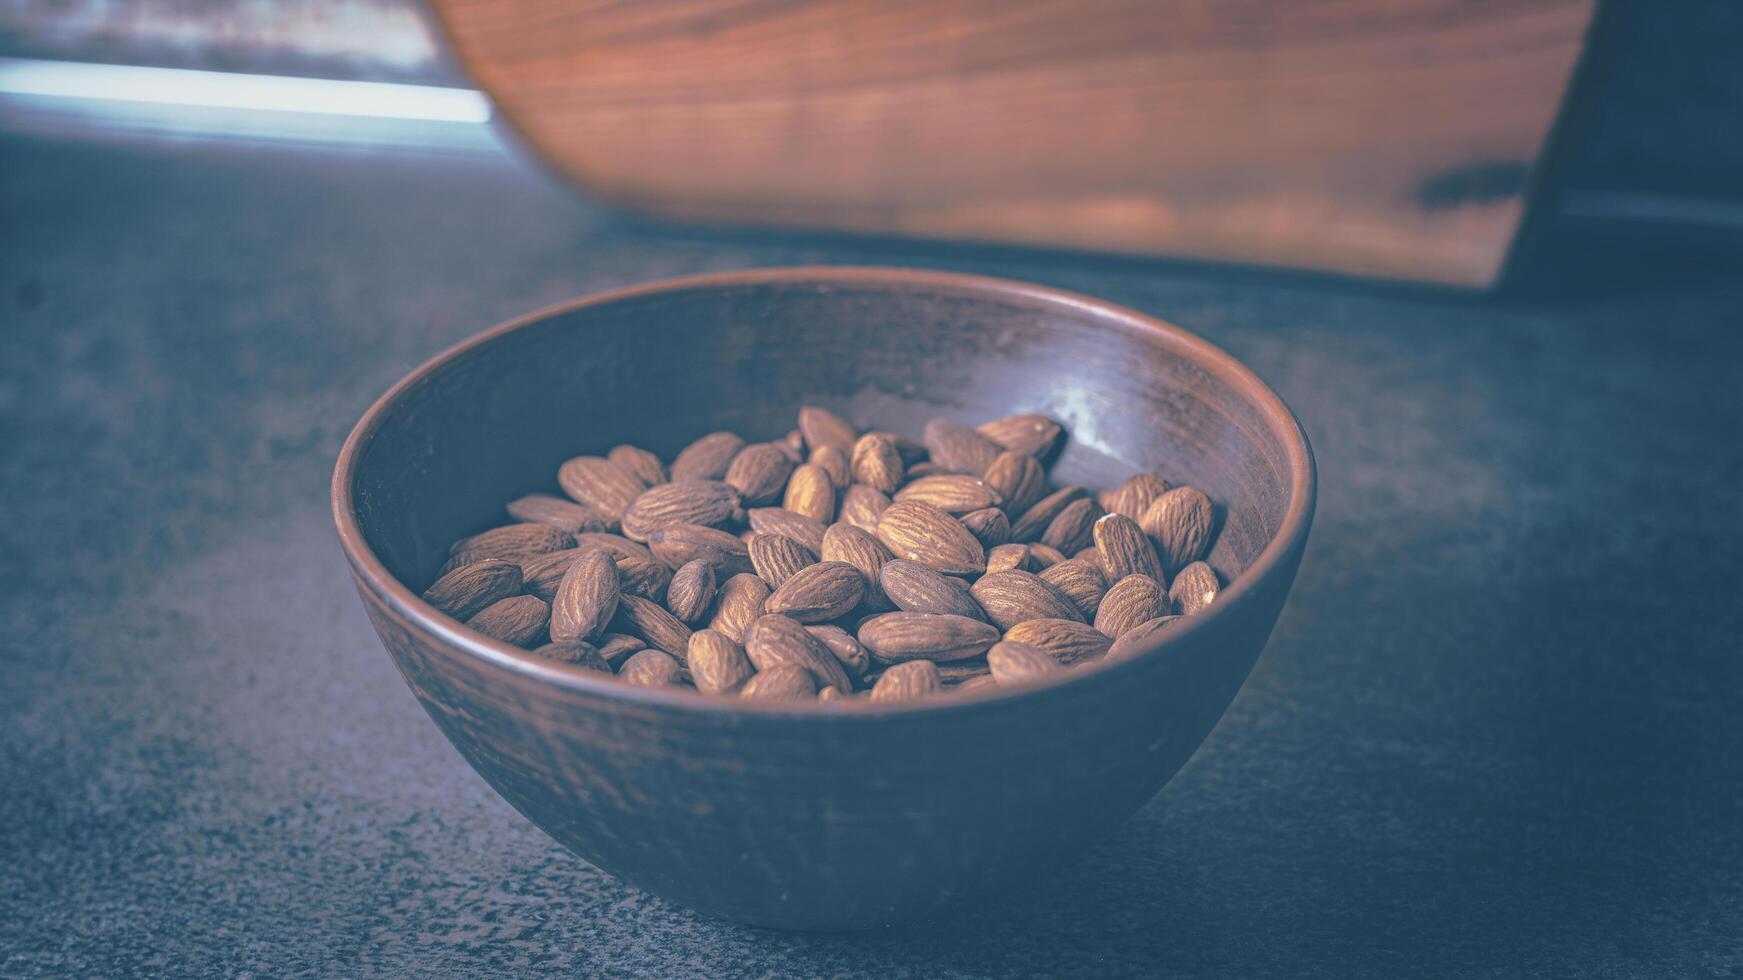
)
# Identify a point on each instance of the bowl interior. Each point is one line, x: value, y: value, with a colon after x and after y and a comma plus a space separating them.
x: 658, y: 367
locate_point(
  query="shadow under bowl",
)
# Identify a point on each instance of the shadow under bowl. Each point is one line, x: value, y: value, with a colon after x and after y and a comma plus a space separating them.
x: 808, y: 815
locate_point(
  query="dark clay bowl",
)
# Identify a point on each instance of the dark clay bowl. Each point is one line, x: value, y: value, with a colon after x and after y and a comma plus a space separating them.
x: 814, y: 815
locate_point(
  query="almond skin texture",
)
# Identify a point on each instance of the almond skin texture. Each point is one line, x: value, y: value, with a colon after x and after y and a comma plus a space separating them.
x: 1073, y: 529
x: 1065, y: 640
x: 898, y: 636
x: 717, y: 665
x: 907, y: 682
x: 818, y: 593
x: 564, y: 515
x: 774, y: 639
x: 1013, y: 597
x: 1180, y: 522
x: 958, y: 448
x: 953, y: 493
x: 541, y: 574
x: 646, y: 577
x: 810, y: 493
x: 1141, y: 636
x: 862, y: 550
x: 821, y: 427
x: 510, y: 542
x: 779, y: 520
x: 650, y: 621
x: 877, y: 463
x: 1194, y: 589
x: 776, y: 558
x: 518, y: 621
x: 783, y: 682
x: 1018, y: 479
x: 863, y: 506
x: 1133, y: 497
x: 617, y: 544
x: 1125, y: 549
x: 742, y: 601
x: 1079, y: 581
x: 846, y: 649
x: 639, y: 463
x: 1131, y: 601
x: 705, y: 502
x: 1036, y: 519
x: 465, y: 591
x: 1043, y: 556
x: 618, y: 647
x: 691, y: 591
x: 586, y: 599
x: 989, y: 526
x: 600, y: 484
x: 834, y: 462
x: 923, y: 533
x: 708, y: 457
x: 1018, y: 663
x: 919, y: 588
x: 1034, y: 435
x: 1008, y: 557
x: 680, y: 544
x: 759, y: 473
x: 583, y: 655
x: 650, y: 668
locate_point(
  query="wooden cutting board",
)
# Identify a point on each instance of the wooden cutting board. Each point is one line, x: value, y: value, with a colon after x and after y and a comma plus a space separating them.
x: 1387, y: 138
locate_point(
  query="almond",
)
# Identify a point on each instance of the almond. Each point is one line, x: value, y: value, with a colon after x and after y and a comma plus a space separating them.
x: 862, y: 550
x: 511, y: 542
x: 793, y: 444
x: 830, y: 694
x: 1123, y: 549
x: 846, y: 649
x: 1180, y: 522
x: 810, y: 492
x: 775, y: 639
x: 465, y: 591
x: 680, y: 544
x: 1141, y: 636
x: 1194, y: 589
x: 953, y: 493
x: 1007, y: 557
x: 1018, y: 479
x: 1043, y: 556
x: 894, y: 637
x: 783, y: 682
x: 541, y: 574
x: 979, y: 682
x: 1065, y: 640
x: 1079, y: 581
x: 582, y: 655
x: 1017, y: 663
x: 862, y: 506
x: 615, y: 648
x: 1133, y: 497
x: 877, y: 463
x: 833, y: 461
x: 759, y: 472
x: 923, y: 533
x: 1035, y: 435
x: 907, y: 682
x: 821, y: 427
x: 518, y: 620
x: 564, y: 515
x: 586, y: 598
x: 989, y: 526
x: 646, y: 577
x: 921, y: 588
x: 959, y: 448
x: 1132, y: 600
x: 650, y: 668
x: 705, y: 502
x: 617, y: 544
x: 650, y: 621
x: 778, y: 520
x: 953, y: 674
x: 741, y: 601
x: 1036, y: 519
x: 717, y: 664
x: 818, y: 593
x: 691, y: 591
x: 911, y: 452
x: 776, y: 558
x: 600, y: 484
x: 1073, y: 528
x: 639, y: 463
x: 1013, y: 597
x: 708, y: 457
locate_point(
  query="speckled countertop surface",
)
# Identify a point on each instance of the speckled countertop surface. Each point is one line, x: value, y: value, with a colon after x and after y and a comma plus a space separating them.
x: 1497, y: 732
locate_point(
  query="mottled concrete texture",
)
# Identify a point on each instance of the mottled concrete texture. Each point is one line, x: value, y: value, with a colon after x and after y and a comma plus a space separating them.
x: 1497, y: 732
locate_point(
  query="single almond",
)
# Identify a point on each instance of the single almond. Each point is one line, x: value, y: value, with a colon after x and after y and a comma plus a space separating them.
x: 541, y: 574
x: 863, y: 506
x: 834, y: 461
x: 923, y: 533
x: 777, y: 558
x: 717, y: 664
x: 465, y: 591
x: 617, y: 544
x: 959, y: 448
x: 564, y: 515
x: 1142, y: 636
x: 600, y: 484
x: 779, y: 520
x: 818, y: 593
x: 618, y: 647
x: 518, y: 620
x: 821, y: 427
x: 907, y: 682
x: 742, y: 599
x: 953, y: 493
x: 646, y: 577
x: 920, y: 588
x: 691, y: 591
x: 782, y: 682
x: 1035, y: 435
x: 1013, y: 597
x: 1080, y: 581
x: 1132, y: 600
x: 1091, y: 554
x: 862, y: 550
x: 894, y: 637
x: 1180, y: 522
x: 1007, y: 557
x: 1017, y: 478
x: 704, y: 502
x: 989, y: 526
x: 849, y: 651
x: 583, y: 655
x: 586, y: 598
x: 651, y: 668
x: 639, y: 463
x: 810, y: 492
x: 1073, y: 528
x: 759, y: 472
x: 708, y: 457
x: 1124, y: 549
x: 1066, y: 640
x: 650, y: 621
x: 830, y: 694
x: 680, y: 544
x: 1018, y: 663
x: 877, y: 463
x: 793, y: 444
x: 774, y: 639
x: 510, y: 542
x: 1133, y: 497
x: 1036, y: 519
x: 1194, y: 589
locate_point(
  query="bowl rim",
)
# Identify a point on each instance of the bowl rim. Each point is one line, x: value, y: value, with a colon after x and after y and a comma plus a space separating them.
x: 1280, y: 420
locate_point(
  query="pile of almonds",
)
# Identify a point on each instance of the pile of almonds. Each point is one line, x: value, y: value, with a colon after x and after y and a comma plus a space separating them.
x: 830, y: 563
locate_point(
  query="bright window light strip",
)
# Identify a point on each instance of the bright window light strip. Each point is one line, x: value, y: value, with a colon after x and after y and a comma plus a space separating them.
x: 231, y: 90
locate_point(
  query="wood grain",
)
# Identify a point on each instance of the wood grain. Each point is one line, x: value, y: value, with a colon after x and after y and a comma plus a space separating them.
x: 1390, y: 138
